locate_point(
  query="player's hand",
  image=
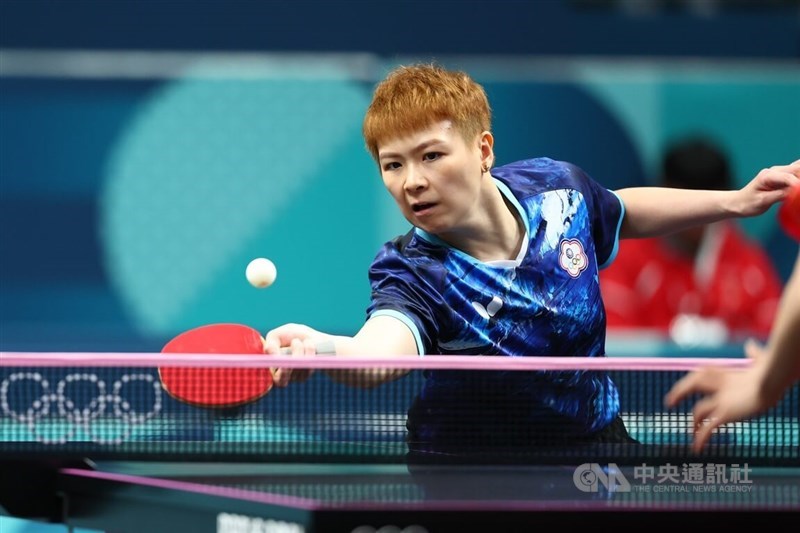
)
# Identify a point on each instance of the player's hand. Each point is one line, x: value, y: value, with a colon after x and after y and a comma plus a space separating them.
x: 300, y: 340
x: 754, y: 350
x: 769, y: 187
x: 728, y: 395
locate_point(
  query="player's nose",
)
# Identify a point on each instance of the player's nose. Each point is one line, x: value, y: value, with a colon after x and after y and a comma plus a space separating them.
x: 415, y: 179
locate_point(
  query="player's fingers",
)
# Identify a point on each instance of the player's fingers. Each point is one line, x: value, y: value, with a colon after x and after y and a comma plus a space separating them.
x: 281, y: 376
x: 783, y: 177
x: 680, y: 390
x: 279, y: 337
x: 297, y: 347
x: 716, y: 418
x: 703, y: 433
x: 309, y: 347
x: 793, y: 178
x: 285, y: 334
x: 272, y: 343
x: 753, y: 349
x: 701, y: 380
x: 272, y: 347
x: 778, y: 178
x: 300, y: 347
x: 702, y: 411
x: 791, y: 167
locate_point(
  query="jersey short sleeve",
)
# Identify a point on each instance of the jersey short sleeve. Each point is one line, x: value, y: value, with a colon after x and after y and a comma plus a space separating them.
x: 405, y: 288
x: 607, y: 212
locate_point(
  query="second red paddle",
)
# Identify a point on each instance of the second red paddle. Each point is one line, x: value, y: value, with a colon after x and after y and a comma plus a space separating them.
x: 789, y: 213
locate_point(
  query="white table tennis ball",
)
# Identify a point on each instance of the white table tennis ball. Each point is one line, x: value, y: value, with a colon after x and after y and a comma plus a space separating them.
x: 261, y: 273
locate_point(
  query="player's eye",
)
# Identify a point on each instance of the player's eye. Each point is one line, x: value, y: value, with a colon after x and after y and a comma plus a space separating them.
x: 391, y: 165
x: 431, y: 156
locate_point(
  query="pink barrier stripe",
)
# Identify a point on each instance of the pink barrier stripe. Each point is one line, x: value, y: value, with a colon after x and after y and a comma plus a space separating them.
x: 186, y: 486
x: 443, y: 362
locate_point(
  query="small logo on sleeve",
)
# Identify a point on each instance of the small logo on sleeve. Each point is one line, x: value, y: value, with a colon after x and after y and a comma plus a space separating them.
x: 572, y: 258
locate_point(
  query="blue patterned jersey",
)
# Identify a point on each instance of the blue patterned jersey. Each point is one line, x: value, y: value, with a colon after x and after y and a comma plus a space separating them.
x: 545, y: 303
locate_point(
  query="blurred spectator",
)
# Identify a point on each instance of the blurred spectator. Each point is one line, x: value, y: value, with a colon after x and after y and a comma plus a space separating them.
x: 703, y: 285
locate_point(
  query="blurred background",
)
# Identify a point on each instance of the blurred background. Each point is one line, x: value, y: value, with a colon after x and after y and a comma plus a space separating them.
x: 150, y: 149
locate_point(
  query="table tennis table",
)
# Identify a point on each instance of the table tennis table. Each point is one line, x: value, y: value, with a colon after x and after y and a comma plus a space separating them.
x: 330, y: 498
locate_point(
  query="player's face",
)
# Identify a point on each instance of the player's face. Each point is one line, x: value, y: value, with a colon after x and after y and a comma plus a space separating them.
x: 434, y: 176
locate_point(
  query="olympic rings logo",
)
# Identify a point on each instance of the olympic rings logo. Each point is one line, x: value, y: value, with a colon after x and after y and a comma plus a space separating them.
x: 104, y: 403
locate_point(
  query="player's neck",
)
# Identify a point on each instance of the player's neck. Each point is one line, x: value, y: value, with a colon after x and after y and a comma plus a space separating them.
x: 496, y: 233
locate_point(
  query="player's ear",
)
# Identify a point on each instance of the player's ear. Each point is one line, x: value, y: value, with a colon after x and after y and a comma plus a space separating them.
x: 486, y: 146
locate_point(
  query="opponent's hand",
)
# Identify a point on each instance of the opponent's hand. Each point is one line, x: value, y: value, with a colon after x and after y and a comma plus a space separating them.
x: 728, y: 395
x: 769, y: 187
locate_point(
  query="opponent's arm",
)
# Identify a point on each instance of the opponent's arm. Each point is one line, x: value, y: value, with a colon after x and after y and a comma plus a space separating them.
x: 781, y: 356
x: 653, y: 211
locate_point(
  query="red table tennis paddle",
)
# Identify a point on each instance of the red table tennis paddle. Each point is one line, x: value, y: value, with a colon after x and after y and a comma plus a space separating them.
x: 216, y: 387
x: 221, y: 388
x: 789, y: 213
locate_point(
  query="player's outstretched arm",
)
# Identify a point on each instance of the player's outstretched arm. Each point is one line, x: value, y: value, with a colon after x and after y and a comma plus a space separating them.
x: 379, y: 336
x: 730, y: 395
x: 653, y: 211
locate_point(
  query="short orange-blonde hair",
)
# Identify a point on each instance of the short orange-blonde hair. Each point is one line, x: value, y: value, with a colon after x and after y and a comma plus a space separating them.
x: 412, y: 98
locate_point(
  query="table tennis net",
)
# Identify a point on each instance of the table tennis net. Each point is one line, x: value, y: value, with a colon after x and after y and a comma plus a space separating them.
x: 436, y: 409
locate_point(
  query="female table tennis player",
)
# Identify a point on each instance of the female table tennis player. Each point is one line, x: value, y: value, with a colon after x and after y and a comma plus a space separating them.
x: 502, y: 260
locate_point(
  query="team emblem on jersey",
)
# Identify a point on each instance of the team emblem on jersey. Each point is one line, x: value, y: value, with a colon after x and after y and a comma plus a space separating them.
x: 572, y: 258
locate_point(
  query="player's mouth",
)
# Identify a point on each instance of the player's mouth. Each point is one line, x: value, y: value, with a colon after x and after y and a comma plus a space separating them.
x: 422, y: 208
